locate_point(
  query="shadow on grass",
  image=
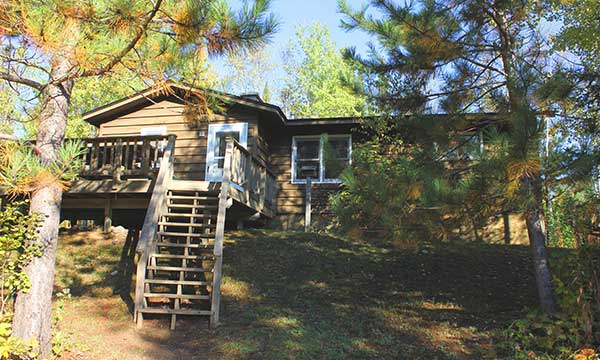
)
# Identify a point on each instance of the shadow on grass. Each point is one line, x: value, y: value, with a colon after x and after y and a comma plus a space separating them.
x: 97, y: 267
x: 304, y: 296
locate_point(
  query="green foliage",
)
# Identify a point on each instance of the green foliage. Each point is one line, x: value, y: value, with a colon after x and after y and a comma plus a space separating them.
x: 441, y: 188
x: 17, y: 247
x: 386, y: 193
x: 579, y: 20
x: 249, y: 72
x: 22, y: 171
x: 18, y: 233
x: 13, y: 348
x: 577, y: 326
x: 319, y: 83
x: 116, y: 48
x: 448, y: 57
x: 61, y: 342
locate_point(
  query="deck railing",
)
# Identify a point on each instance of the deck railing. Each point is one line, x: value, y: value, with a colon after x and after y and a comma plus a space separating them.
x: 129, y: 156
x: 251, y: 176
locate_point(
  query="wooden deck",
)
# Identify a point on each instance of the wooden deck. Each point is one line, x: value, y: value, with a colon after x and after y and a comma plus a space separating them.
x: 120, y: 173
x: 130, y: 181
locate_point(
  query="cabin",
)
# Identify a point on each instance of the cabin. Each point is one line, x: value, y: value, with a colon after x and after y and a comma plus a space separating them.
x: 182, y: 177
x: 177, y: 178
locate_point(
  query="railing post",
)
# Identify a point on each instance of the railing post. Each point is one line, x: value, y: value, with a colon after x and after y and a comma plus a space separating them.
x: 307, y: 204
x: 220, y: 234
x: 118, y: 159
x: 145, y: 156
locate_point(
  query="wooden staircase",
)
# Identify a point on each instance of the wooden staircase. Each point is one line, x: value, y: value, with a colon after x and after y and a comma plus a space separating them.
x: 181, y: 247
x: 180, y: 272
x: 181, y: 243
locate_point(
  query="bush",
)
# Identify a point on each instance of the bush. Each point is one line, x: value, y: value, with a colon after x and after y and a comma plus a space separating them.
x: 389, y: 191
x: 379, y: 193
x: 17, y: 247
x: 578, y: 324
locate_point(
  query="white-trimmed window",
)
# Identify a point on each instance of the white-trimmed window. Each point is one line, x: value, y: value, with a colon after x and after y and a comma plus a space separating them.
x: 323, y: 157
x: 215, y: 152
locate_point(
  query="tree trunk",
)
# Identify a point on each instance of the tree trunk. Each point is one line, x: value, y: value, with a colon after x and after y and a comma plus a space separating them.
x: 32, y: 309
x: 543, y: 277
x: 520, y: 107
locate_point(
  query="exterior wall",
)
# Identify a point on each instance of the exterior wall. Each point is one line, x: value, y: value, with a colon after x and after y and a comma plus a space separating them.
x: 190, y: 147
x: 290, y: 197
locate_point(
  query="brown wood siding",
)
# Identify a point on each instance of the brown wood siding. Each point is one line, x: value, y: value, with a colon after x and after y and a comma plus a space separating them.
x: 290, y: 197
x: 190, y: 148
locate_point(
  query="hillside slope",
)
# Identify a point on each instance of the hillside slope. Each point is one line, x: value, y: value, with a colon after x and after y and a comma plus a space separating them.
x: 291, y: 295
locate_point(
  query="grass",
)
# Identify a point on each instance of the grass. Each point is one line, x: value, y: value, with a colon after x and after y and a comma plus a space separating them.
x: 290, y: 295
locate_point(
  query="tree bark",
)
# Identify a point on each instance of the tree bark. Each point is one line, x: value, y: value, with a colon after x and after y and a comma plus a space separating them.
x: 519, y: 106
x: 32, y: 309
x: 543, y: 276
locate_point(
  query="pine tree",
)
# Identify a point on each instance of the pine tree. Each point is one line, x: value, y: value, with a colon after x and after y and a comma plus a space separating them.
x: 48, y: 47
x: 458, y: 57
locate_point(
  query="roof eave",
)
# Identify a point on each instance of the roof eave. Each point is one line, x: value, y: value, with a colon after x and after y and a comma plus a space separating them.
x: 103, y: 113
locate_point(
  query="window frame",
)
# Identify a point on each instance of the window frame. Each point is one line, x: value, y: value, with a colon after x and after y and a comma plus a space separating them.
x: 213, y: 129
x: 322, y: 179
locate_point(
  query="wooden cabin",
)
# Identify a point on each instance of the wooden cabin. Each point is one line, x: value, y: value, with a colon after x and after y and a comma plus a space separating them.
x: 181, y: 179
x: 177, y: 178
x: 132, y: 136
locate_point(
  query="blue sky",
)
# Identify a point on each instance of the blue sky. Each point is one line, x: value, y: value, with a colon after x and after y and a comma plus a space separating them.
x: 292, y: 14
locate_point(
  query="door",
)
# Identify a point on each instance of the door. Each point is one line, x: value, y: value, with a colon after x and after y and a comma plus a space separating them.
x: 215, y: 152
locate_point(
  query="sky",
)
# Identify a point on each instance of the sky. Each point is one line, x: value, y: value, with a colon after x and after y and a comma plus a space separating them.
x: 290, y: 15
x: 294, y: 13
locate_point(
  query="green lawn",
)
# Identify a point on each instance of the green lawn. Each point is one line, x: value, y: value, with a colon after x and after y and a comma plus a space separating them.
x: 289, y: 295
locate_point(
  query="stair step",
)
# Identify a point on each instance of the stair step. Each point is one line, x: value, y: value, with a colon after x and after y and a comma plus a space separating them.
x: 206, y: 216
x: 189, y: 246
x: 175, y: 311
x: 171, y: 256
x: 191, y: 197
x: 171, y: 233
x: 176, y: 282
x: 205, y: 226
x: 178, y: 268
x: 192, y: 206
x: 177, y: 296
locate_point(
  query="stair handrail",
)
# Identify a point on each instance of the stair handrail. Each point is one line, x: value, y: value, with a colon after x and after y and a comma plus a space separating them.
x: 256, y: 178
x: 220, y: 231
x: 149, y: 234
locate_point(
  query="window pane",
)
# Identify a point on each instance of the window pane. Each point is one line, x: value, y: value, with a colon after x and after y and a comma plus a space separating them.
x: 220, y: 142
x: 336, y: 156
x: 305, y: 168
x: 334, y: 168
x: 339, y: 147
x: 307, y: 149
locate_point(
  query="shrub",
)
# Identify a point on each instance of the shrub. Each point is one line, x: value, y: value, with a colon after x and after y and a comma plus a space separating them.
x: 577, y: 326
x: 17, y: 247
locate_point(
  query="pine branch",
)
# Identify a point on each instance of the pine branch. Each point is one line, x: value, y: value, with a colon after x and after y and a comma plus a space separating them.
x: 21, y: 80
x: 8, y: 137
x: 116, y: 59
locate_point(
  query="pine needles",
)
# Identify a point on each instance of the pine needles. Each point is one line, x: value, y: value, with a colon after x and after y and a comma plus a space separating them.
x: 22, y: 171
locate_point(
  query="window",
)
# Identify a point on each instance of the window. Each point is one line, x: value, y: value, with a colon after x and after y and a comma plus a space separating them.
x: 154, y: 130
x: 322, y: 158
x: 215, y: 155
x: 466, y: 147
